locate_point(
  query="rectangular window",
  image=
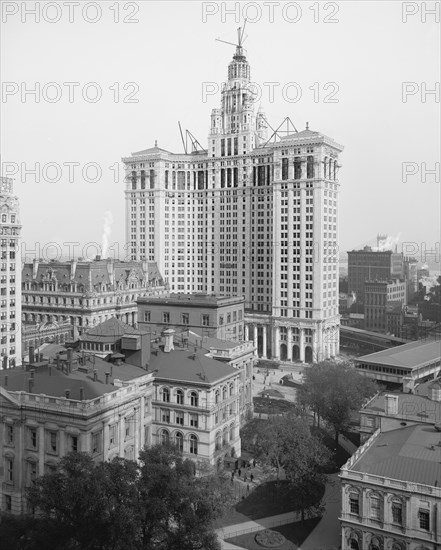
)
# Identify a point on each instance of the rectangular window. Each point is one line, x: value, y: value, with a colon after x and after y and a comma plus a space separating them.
x: 165, y: 317
x: 180, y: 418
x: 354, y: 505
x: 397, y: 513
x: 375, y: 508
x: 424, y: 519
x: 147, y: 316
x: 194, y: 420
x: 96, y: 442
x: 73, y: 443
x: 185, y: 318
x: 165, y: 416
x: 52, y: 442
x: 9, y: 470
x: 113, y: 431
x: 9, y: 440
x: 32, y: 438
x: 205, y: 320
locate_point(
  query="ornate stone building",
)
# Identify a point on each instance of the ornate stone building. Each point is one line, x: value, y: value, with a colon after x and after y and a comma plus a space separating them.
x: 390, y: 494
x: 86, y: 293
x: 10, y: 276
x: 248, y: 216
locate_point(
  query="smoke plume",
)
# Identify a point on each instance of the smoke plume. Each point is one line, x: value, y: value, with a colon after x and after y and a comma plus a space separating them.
x: 107, y: 230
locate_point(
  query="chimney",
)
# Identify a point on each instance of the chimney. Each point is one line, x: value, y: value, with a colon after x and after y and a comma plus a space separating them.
x: 67, y: 393
x: 32, y: 371
x: 30, y: 385
x: 107, y: 377
x: 391, y: 404
x: 111, y: 369
x: 69, y: 359
x: 95, y: 375
x: 168, y: 334
x: 81, y: 394
x: 31, y: 354
x: 97, y: 258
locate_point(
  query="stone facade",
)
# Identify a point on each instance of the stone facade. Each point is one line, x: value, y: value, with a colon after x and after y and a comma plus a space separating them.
x: 10, y: 276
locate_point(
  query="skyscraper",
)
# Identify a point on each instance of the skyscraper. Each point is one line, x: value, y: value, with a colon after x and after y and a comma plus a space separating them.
x: 10, y: 276
x: 248, y: 216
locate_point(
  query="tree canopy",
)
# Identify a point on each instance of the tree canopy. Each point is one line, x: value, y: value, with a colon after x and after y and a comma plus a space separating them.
x: 158, y: 503
x: 335, y: 392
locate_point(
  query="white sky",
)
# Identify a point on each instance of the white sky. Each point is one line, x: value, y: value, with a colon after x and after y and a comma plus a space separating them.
x: 170, y: 53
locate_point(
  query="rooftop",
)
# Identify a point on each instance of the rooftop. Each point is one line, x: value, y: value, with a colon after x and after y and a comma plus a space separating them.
x: 410, y: 406
x: 412, y: 355
x: 109, y: 331
x: 205, y: 300
x: 409, y: 454
x: 189, y: 366
x: 54, y: 382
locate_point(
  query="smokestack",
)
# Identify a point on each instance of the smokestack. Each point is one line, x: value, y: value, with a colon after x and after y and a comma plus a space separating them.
x: 95, y: 375
x: 31, y: 354
x: 107, y: 377
x: 67, y: 393
x: 111, y: 369
x: 30, y: 384
x: 81, y: 394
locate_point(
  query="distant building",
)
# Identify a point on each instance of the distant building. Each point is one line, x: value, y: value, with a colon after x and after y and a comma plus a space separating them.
x: 36, y: 334
x: 390, y: 494
x: 369, y: 265
x: 86, y: 293
x: 10, y: 276
x: 206, y: 314
x: 410, y: 275
x: 378, y: 294
x: 402, y: 367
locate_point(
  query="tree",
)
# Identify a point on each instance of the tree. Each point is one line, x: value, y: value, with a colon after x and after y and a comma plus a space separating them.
x: 286, y: 443
x: 157, y: 503
x: 335, y: 392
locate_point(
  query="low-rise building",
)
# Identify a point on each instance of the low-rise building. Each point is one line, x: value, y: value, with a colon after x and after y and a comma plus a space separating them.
x: 404, y: 366
x: 36, y: 334
x: 86, y: 293
x: 46, y: 412
x: 206, y: 314
x: 391, y: 499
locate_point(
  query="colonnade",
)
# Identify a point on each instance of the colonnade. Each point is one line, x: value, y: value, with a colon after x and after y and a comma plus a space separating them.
x: 292, y: 343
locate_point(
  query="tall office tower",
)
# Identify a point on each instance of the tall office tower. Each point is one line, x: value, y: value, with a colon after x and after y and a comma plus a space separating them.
x: 248, y: 216
x: 10, y: 276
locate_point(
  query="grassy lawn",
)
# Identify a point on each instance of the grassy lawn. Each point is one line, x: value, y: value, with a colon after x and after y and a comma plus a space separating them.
x: 273, y: 406
x: 295, y: 534
x: 269, y: 499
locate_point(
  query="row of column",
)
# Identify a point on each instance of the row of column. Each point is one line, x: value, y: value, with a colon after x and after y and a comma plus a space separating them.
x: 309, y: 351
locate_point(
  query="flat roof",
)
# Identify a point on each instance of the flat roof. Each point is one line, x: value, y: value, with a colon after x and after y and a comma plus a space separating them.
x: 409, y: 454
x: 197, y: 299
x: 411, y: 356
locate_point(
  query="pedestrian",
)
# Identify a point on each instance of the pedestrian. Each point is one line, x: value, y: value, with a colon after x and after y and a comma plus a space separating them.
x: 251, y: 477
x: 240, y: 472
x: 248, y: 488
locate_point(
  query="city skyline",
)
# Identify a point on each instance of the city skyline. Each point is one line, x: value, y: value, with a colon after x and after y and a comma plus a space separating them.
x: 341, y: 64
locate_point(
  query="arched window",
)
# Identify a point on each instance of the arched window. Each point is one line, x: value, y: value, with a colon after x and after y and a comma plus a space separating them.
x: 165, y: 395
x: 353, y: 544
x: 325, y: 165
x: 179, y: 441
x: 179, y: 397
x: 165, y: 437
x: 193, y: 444
x: 217, y: 396
x: 224, y: 393
x: 231, y: 388
x: 225, y: 436
x: 310, y: 167
x: 194, y: 399
x: 231, y: 432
